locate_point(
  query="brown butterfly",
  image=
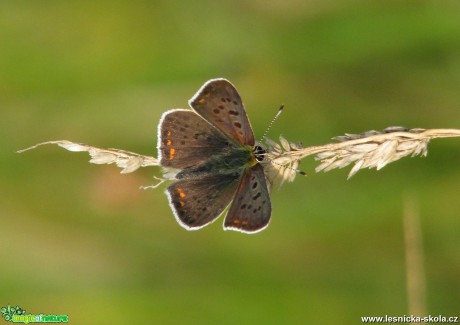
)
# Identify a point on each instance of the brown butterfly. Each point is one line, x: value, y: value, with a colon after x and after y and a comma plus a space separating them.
x: 212, y: 153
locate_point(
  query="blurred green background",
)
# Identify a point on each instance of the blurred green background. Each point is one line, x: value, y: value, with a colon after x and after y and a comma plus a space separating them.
x: 83, y: 240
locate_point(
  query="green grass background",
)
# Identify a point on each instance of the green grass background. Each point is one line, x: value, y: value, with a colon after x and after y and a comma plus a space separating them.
x: 83, y: 240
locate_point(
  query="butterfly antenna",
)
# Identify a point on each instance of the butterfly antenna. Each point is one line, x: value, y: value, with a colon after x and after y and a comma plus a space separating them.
x: 301, y: 172
x: 273, y: 121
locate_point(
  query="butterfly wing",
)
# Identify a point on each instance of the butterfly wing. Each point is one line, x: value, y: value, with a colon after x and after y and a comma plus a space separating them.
x: 197, y: 202
x: 251, y: 208
x: 219, y: 103
x: 185, y: 139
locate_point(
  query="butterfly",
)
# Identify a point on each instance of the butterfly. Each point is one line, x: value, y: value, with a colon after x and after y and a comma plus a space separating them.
x: 212, y: 157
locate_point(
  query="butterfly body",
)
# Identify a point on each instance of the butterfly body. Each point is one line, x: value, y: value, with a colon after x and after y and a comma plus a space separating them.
x: 215, y: 160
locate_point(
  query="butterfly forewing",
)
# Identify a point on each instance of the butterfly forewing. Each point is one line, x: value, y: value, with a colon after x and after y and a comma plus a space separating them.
x: 185, y: 139
x: 251, y: 208
x: 197, y: 202
x: 219, y: 103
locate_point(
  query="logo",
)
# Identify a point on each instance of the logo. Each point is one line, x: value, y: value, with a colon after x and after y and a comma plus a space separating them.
x: 18, y: 315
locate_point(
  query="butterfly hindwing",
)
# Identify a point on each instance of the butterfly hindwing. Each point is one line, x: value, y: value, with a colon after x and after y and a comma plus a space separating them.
x: 199, y: 201
x: 185, y: 139
x: 251, y: 208
x: 219, y: 103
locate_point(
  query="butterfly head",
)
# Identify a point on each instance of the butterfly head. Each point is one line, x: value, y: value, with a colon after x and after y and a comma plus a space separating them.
x: 259, y: 152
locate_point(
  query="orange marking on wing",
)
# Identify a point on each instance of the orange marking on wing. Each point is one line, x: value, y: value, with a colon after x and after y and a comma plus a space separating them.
x: 172, y: 152
x: 201, y: 100
x: 168, y: 143
x: 168, y: 133
x: 236, y: 221
x: 181, y: 192
x: 244, y: 222
x: 182, y: 203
